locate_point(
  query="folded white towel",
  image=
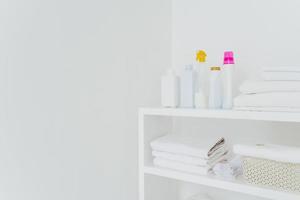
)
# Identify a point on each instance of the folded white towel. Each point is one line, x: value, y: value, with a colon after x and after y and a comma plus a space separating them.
x: 275, y: 99
x: 191, y: 146
x: 273, y: 152
x: 281, y: 69
x: 252, y: 87
x: 159, y: 162
x: 191, y: 160
x: 281, y: 76
x: 267, y: 109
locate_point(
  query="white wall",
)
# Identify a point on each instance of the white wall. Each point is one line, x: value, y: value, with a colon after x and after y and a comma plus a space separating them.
x: 260, y: 32
x: 72, y: 74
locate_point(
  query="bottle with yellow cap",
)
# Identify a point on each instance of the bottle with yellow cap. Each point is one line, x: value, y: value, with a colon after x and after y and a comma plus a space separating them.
x: 215, y: 88
x: 200, y: 97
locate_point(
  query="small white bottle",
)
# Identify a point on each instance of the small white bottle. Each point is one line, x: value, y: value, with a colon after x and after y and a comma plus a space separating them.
x: 170, y: 89
x: 215, y: 88
x: 187, y: 87
x: 228, y: 67
x: 200, y: 97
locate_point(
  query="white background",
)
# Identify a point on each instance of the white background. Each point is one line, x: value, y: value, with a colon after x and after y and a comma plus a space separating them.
x: 72, y: 75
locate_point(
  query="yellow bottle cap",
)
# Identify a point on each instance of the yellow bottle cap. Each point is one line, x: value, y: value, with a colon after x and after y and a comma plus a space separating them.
x: 201, y: 56
x: 215, y: 68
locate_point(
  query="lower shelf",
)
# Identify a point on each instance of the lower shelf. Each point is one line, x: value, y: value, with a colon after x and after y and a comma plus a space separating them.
x: 236, y: 186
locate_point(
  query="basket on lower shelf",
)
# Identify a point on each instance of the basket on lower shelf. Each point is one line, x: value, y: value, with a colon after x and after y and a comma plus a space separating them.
x: 277, y: 173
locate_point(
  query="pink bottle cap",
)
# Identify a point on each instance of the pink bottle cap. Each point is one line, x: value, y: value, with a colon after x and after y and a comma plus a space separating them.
x: 228, y: 57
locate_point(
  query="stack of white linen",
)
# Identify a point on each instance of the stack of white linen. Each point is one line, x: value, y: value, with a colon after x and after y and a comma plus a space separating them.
x: 189, y: 154
x: 281, y: 73
x: 279, y: 91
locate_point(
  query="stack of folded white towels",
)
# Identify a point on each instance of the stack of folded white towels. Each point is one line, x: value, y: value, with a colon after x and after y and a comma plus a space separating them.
x: 278, y: 91
x: 189, y: 154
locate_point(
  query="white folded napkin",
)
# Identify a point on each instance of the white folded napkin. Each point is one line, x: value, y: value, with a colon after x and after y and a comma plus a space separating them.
x: 191, y: 160
x: 191, y: 146
x: 253, y: 87
x: 282, y: 69
x: 281, y: 76
x: 267, y: 109
x: 159, y: 162
x: 274, y: 99
x: 281, y: 73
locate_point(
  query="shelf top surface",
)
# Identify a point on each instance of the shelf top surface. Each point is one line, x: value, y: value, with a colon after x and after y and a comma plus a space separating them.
x: 222, y: 114
x: 236, y: 186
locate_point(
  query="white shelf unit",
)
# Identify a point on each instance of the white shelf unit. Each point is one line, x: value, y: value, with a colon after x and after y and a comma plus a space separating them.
x: 155, y: 122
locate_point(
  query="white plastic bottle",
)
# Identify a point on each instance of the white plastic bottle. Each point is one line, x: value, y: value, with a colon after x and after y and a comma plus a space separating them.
x: 215, y: 88
x: 170, y: 89
x: 187, y: 87
x: 228, y: 67
x: 200, y: 97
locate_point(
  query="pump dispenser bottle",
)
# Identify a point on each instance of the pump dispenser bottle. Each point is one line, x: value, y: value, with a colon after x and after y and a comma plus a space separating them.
x: 200, y: 97
x: 228, y: 67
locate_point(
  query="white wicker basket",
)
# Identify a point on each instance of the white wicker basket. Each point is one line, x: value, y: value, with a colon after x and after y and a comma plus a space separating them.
x: 274, y: 166
x: 274, y: 174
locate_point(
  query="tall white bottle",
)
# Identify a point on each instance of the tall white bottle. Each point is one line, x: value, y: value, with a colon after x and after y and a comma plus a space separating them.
x: 228, y: 67
x: 187, y: 87
x: 215, y: 88
x: 170, y: 90
x: 200, y: 97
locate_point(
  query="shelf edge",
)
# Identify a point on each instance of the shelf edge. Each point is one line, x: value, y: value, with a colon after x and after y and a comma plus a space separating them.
x: 222, y: 184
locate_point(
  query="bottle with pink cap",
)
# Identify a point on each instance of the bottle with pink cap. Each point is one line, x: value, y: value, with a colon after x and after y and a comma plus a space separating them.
x: 228, y: 67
